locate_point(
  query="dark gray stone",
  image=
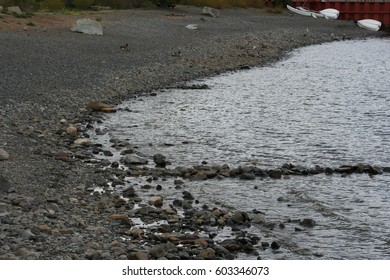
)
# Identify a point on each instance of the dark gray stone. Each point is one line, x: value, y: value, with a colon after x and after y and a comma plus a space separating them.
x: 5, y: 185
x: 161, y: 250
x: 160, y: 160
x: 307, y: 222
x: 275, y: 173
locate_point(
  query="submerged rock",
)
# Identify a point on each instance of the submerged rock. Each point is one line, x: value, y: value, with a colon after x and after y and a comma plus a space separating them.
x: 160, y: 160
x: 307, y: 222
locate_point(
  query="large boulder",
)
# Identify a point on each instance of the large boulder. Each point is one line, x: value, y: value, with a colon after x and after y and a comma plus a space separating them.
x: 87, y: 26
x: 15, y: 10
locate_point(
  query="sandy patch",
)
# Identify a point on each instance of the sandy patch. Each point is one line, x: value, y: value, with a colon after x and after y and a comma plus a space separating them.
x: 42, y: 21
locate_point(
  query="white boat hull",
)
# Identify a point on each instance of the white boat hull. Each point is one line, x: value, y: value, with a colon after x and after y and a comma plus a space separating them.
x: 313, y: 13
x: 327, y: 13
x: 369, y: 24
x: 299, y: 12
x: 330, y: 13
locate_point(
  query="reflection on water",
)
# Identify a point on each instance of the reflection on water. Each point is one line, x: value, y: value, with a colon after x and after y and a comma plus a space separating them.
x: 325, y: 105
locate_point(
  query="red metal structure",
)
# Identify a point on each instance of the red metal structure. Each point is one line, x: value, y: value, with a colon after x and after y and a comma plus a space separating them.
x: 352, y: 9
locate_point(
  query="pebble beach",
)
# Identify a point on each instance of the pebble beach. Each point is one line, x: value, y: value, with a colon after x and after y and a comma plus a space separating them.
x: 54, y: 84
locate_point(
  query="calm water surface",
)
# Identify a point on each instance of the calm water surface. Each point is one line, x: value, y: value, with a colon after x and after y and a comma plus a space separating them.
x: 326, y: 105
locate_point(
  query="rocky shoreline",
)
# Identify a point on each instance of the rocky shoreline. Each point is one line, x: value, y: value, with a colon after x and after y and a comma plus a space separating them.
x: 48, y: 207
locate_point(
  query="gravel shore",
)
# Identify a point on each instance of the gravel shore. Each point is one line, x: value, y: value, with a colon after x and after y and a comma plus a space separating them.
x: 49, y: 75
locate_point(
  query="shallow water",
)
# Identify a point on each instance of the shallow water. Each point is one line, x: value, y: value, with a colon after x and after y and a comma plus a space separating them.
x: 326, y: 105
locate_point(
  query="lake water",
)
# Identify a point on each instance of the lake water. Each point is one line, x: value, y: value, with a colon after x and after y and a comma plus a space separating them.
x: 325, y: 105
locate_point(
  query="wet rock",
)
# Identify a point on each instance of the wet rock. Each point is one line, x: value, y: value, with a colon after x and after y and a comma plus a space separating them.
x: 159, y: 160
x: 118, y: 217
x: 132, y: 159
x: 99, y: 106
x: 3, y: 155
x: 156, y: 201
x: 129, y: 192
x: 240, y: 217
x: 187, y: 205
x: 275, y: 173
x: 82, y: 142
x: 245, y: 67
x: 231, y: 245
x: 317, y: 170
x: 275, y: 245
x: 194, y: 86
x: 207, y: 254
x: 300, y: 170
x: 136, y: 232
x: 259, y: 218
x: 265, y: 244
x: 374, y: 170
x: 187, y: 195
x: 178, y: 182
x: 344, y: 169
x: 199, y: 176
x: 247, y: 176
x: 329, y: 171
x: 108, y: 153
x: 177, y: 203
x: 161, y: 250
x: 307, y: 222
x: 386, y: 169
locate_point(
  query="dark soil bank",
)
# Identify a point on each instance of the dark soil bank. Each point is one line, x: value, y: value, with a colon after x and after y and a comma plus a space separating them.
x: 49, y: 75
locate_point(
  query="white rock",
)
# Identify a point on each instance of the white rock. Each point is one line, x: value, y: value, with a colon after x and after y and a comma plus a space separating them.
x: 3, y: 154
x: 192, y: 26
x: 82, y: 142
x: 156, y: 201
x: 207, y: 11
x: 87, y: 26
x: 134, y: 159
x: 14, y: 9
x: 72, y: 130
x: 1, y: 8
